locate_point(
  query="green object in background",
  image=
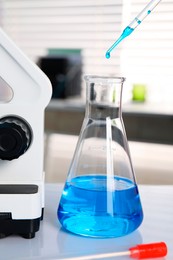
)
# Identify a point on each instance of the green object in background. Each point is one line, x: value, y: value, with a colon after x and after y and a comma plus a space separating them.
x: 63, y: 51
x: 139, y: 92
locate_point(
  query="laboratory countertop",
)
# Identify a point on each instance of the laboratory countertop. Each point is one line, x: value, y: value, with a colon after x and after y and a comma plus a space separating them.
x: 52, y: 242
x: 144, y: 122
x: 77, y: 104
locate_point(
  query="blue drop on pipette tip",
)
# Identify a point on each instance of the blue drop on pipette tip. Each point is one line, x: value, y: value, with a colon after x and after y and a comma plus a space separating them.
x: 149, y: 11
x: 108, y: 55
x: 127, y: 31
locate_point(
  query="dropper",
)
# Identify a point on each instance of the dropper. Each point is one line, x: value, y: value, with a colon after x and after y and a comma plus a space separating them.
x: 132, y: 26
x: 143, y: 251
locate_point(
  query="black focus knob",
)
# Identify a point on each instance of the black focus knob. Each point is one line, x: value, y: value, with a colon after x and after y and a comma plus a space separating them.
x: 15, y: 137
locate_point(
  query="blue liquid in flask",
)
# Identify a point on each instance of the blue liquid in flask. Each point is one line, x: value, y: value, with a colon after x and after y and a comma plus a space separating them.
x: 87, y: 207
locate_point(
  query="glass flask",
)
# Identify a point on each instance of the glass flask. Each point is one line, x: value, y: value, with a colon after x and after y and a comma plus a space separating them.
x: 100, y: 197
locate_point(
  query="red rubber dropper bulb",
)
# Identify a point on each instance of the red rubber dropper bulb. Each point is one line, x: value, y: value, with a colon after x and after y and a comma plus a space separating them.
x: 148, y: 250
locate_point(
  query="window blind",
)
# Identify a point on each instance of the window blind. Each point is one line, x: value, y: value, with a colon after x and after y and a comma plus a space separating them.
x: 91, y: 26
x: 148, y: 53
x: 146, y: 56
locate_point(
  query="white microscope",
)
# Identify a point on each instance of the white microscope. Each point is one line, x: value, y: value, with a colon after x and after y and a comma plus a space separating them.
x: 25, y: 91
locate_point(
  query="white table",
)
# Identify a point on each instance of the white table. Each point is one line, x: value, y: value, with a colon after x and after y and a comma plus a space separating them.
x: 51, y: 242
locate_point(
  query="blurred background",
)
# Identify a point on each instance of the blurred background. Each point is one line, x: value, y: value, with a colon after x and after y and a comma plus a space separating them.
x: 68, y: 39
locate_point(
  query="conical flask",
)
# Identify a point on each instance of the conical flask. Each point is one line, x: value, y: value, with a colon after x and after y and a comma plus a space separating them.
x: 100, y: 197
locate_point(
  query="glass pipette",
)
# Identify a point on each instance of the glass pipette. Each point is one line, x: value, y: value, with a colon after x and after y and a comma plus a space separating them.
x: 144, y: 251
x: 137, y: 21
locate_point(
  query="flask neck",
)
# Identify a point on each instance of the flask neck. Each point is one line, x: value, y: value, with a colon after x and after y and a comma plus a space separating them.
x: 104, y: 97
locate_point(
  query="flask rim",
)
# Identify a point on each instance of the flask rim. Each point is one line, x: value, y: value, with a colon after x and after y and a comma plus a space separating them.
x: 95, y: 78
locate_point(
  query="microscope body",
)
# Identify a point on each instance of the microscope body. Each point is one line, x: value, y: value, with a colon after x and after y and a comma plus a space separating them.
x: 25, y: 91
